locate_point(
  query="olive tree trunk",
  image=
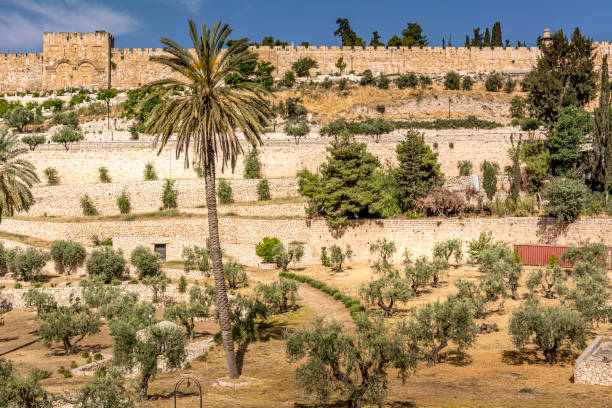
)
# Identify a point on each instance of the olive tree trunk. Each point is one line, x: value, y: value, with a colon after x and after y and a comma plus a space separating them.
x: 217, y: 264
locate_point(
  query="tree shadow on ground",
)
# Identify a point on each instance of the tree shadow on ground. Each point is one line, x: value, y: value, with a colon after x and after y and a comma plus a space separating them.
x: 335, y: 404
x: 266, y: 331
x: 456, y: 358
x: 5, y: 339
x: 402, y: 404
x: 535, y: 357
x: 170, y: 395
x: 78, y: 349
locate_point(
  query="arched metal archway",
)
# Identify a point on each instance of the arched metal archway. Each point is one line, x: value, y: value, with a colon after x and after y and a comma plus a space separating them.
x: 189, y: 379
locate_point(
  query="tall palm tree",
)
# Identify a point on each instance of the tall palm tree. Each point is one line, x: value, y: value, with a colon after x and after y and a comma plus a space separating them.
x: 206, y: 115
x: 17, y: 176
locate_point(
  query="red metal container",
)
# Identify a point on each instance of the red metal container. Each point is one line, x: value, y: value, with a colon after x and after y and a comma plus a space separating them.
x: 538, y: 255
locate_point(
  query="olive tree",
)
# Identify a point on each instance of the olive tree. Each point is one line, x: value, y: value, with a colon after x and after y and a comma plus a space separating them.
x: 551, y: 280
x: 336, y: 258
x: 235, y: 274
x: 43, y: 302
x: 145, y: 350
x: 198, y: 307
x: 283, y: 257
x: 66, y: 135
x: 67, y: 255
x: 105, y: 263
x: 16, y: 391
x: 356, y: 364
x: 27, y: 264
x: 63, y: 323
x: 448, y: 248
x: 566, y: 199
x: 147, y: 262
x: 591, y: 293
x: 434, y: 325
x: 500, y: 259
x: 197, y: 258
x: 105, y: 390
x: 549, y: 327
x: 279, y: 296
x: 158, y: 284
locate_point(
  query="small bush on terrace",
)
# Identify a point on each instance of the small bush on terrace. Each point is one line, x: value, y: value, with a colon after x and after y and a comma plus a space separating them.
x: 103, y: 173
x: 467, y: 83
x: 106, y: 264
x: 465, y: 167
x: 407, y: 81
x: 452, y: 81
x: 89, y: 209
x: 67, y: 255
x: 263, y: 190
x: 147, y: 262
x: 52, y: 176
x: 224, y: 192
x: 252, y: 165
x: 123, y: 202
x: 169, y: 195
x: 493, y: 83
x: 366, y: 78
x: 490, y: 171
x: 149, y: 172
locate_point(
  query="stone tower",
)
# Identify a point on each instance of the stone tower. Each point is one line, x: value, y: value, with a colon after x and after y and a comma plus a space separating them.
x: 80, y: 60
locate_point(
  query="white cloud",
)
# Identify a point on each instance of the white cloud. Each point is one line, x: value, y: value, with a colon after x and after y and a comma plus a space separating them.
x: 22, y: 26
x: 189, y: 5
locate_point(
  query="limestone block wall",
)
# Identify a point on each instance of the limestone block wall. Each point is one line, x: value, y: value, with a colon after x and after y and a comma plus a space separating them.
x: 64, y: 200
x: 279, y: 158
x: 240, y: 235
x: 20, y: 72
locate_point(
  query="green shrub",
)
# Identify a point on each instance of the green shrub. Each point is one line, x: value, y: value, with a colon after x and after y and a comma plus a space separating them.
x: 105, y: 263
x: 467, y: 83
x: 103, y: 173
x: 303, y: 66
x: 263, y: 190
x: 73, y: 364
x: 182, y: 285
x: 235, y: 274
x: 97, y: 242
x: 517, y: 107
x: 169, y: 195
x: 452, y: 81
x: 98, y: 357
x: 493, y: 83
x: 147, y: 262
x: 366, y: 78
x: 123, y: 202
x: 66, y: 135
x: 65, y: 372
x: 224, y: 192
x: 52, y: 176
x: 89, y: 209
x: 465, y: 167
x: 407, y: 81
x: 383, y: 82
x: 288, y: 80
x: 252, y: 165
x: 566, y: 199
x: 265, y: 249
x: 149, y: 172
x: 509, y: 85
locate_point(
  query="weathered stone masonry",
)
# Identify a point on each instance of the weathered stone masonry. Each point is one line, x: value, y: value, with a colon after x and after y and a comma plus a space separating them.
x: 90, y: 60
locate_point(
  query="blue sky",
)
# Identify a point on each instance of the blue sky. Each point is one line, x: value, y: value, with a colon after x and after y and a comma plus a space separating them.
x: 141, y: 23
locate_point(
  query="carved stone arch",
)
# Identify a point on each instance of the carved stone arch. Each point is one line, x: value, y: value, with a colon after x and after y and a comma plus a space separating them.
x: 63, y: 76
x: 84, y: 75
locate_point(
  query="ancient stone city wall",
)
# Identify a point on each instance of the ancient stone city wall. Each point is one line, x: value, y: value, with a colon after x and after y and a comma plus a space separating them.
x: 90, y: 60
x: 279, y: 158
x: 240, y: 235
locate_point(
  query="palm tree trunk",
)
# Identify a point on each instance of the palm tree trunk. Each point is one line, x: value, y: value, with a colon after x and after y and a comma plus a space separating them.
x: 215, y: 255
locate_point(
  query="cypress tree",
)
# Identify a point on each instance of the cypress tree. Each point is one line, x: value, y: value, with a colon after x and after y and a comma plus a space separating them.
x: 601, y: 159
x: 467, y: 41
x: 496, y: 35
x: 487, y: 38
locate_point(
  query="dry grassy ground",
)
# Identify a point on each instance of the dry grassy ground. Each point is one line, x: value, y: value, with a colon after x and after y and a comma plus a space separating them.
x: 492, y: 373
x: 431, y: 103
